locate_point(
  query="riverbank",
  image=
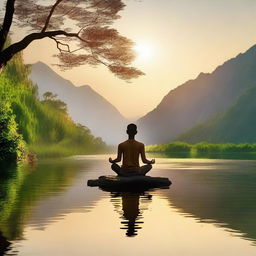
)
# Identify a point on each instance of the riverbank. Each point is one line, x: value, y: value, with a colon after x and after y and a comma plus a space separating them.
x: 204, y: 150
x: 64, y: 149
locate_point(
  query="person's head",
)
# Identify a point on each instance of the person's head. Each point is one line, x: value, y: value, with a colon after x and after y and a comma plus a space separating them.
x: 131, y: 129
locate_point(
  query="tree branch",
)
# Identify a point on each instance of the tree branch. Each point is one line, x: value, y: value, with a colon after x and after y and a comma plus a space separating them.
x: 50, y: 15
x: 58, y: 43
x: 8, y: 53
x: 9, y: 11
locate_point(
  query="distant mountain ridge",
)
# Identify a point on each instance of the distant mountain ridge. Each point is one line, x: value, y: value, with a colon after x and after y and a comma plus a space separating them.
x: 85, y: 106
x: 200, y: 99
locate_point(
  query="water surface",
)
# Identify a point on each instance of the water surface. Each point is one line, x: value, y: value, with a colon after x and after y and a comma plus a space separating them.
x: 208, y: 210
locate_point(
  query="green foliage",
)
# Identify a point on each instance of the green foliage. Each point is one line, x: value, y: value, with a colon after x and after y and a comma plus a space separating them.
x: 202, y: 149
x: 12, y: 146
x: 237, y: 124
x: 173, y: 147
x: 51, y: 99
x: 44, y: 125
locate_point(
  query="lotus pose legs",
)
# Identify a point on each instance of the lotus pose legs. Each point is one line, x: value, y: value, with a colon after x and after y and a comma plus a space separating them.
x: 129, y: 151
x: 141, y: 171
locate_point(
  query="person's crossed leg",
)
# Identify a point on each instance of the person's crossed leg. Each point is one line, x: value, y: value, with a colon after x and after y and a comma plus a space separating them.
x: 142, y: 170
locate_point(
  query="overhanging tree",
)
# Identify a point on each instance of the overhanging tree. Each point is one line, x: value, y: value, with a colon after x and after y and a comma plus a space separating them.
x: 80, y: 28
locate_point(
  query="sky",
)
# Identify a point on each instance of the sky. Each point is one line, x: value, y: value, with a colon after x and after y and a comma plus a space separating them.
x: 177, y: 40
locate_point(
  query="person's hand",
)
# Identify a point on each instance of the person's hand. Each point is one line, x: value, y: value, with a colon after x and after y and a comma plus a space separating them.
x: 110, y: 160
x: 152, y: 161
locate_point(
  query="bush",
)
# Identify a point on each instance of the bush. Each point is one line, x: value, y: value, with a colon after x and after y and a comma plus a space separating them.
x: 12, y: 146
x: 202, y: 148
x: 178, y: 147
x: 173, y: 147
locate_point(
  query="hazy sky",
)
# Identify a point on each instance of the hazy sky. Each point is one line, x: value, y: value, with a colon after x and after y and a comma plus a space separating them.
x: 181, y: 39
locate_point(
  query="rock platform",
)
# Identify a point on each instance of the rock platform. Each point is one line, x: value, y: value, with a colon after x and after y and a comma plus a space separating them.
x: 130, y: 183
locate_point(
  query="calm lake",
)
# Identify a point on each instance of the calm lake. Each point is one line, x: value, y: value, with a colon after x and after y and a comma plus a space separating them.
x: 209, y: 209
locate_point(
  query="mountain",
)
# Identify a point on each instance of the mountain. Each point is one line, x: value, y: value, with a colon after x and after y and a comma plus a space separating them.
x: 198, y: 100
x: 30, y: 125
x: 85, y: 106
x: 237, y: 124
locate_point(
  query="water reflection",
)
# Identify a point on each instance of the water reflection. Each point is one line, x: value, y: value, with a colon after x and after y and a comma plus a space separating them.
x: 222, y: 192
x: 22, y: 187
x: 131, y: 212
x: 8, y: 175
x: 4, y: 244
x: 42, y: 204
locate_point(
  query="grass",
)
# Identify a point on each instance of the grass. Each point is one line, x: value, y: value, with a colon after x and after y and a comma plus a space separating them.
x: 63, y: 149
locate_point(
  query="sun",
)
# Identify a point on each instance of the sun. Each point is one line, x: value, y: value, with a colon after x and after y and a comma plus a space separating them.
x: 144, y: 50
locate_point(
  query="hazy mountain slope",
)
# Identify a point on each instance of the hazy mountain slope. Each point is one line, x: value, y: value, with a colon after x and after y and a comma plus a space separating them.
x: 237, y: 124
x: 197, y: 100
x: 85, y: 106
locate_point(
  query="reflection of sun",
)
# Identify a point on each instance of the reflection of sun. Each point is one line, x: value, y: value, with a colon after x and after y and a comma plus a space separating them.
x: 144, y: 51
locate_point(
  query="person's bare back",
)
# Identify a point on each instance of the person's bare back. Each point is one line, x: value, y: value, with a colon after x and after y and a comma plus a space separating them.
x: 129, y: 152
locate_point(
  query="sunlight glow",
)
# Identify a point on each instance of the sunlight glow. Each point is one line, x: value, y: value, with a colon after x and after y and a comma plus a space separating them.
x: 144, y: 50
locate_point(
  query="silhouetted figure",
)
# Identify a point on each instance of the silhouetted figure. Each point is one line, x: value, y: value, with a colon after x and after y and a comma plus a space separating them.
x: 129, y: 151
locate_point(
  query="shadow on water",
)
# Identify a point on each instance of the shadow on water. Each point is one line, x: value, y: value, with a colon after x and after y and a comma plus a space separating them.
x: 127, y: 204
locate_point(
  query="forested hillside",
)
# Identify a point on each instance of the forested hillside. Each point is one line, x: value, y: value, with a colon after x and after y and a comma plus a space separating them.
x: 85, y: 105
x: 237, y: 124
x: 28, y: 124
x: 198, y: 100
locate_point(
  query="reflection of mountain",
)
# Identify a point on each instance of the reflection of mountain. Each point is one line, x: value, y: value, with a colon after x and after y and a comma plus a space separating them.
x: 131, y: 210
x: 198, y: 100
x: 225, y: 197
x: 85, y: 106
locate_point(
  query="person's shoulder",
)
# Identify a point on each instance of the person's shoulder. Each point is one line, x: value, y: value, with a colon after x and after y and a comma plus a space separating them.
x: 139, y: 143
x: 122, y: 143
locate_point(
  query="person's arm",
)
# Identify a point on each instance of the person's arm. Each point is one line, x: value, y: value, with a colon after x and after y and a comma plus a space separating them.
x: 143, y: 157
x: 119, y: 156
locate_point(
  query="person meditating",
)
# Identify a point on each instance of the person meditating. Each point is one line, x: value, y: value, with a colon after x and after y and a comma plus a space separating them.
x: 130, y: 150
